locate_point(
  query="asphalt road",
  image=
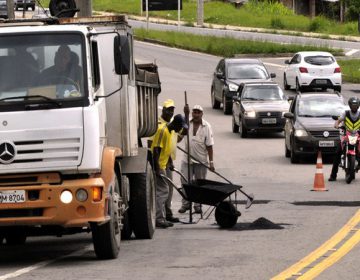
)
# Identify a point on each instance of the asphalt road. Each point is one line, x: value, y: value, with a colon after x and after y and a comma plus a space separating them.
x: 297, y: 219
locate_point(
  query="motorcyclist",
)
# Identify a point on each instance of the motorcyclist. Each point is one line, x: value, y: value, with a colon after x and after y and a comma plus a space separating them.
x: 351, y: 120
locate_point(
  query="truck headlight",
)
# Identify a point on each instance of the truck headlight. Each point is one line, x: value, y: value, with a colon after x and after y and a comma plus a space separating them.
x: 250, y: 114
x: 233, y: 87
x: 66, y: 197
x: 300, y: 133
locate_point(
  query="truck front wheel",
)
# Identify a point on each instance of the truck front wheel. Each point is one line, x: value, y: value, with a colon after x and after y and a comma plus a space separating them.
x: 142, y: 203
x: 107, y: 237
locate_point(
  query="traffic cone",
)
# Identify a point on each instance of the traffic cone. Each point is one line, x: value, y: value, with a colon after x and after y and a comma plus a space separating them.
x: 319, y: 182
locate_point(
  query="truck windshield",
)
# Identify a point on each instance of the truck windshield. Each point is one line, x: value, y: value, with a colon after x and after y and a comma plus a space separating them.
x: 46, y: 65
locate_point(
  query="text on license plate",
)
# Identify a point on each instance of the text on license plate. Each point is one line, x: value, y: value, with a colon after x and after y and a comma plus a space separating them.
x: 17, y: 196
x: 326, y: 144
x: 321, y: 82
x: 268, y: 121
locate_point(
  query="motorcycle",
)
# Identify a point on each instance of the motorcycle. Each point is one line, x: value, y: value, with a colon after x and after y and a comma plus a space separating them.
x: 350, y: 143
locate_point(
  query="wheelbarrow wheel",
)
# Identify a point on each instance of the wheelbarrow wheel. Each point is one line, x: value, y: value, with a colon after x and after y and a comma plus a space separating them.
x: 226, y: 214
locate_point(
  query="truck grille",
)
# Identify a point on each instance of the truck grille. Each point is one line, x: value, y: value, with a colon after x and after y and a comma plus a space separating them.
x: 46, y: 153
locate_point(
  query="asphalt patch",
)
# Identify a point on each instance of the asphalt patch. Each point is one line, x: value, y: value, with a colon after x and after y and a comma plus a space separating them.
x: 263, y: 223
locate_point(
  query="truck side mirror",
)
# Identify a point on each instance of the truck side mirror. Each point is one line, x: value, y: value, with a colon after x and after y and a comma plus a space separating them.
x: 121, y: 55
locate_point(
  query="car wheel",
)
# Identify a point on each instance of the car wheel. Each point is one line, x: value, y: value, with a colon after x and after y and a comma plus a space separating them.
x: 294, y: 158
x: 337, y: 88
x: 287, y: 151
x: 214, y: 103
x: 235, y: 127
x: 227, y: 106
x: 286, y: 86
x: 298, y: 87
x: 243, y: 130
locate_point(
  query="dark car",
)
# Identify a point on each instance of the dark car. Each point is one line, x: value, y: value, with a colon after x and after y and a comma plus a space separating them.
x: 259, y: 106
x: 229, y: 74
x: 309, y: 125
x: 3, y: 9
x: 25, y: 4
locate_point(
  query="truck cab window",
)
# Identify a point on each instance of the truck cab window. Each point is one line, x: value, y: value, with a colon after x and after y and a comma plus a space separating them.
x: 50, y: 66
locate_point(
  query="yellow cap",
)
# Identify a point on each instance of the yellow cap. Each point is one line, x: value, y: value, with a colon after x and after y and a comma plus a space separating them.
x: 168, y: 103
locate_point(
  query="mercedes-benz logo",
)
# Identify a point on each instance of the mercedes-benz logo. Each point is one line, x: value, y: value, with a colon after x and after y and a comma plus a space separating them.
x: 326, y: 134
x: 268, y: 114
x: 7, y: 152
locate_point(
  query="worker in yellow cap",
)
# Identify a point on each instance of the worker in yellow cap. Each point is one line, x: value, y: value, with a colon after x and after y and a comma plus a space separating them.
x: 167, y: 114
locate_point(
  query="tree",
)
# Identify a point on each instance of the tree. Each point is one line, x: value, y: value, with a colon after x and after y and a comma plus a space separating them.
x: 352, y: 9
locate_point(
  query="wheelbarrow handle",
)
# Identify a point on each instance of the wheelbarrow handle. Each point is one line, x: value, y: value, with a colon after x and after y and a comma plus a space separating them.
x: 179, y: 190
x: 181, y: 175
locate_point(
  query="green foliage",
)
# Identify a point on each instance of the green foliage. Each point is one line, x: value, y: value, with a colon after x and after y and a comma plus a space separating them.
x: 350, y: 70
x: 227, y: 47
x: 267, y: 8
x: 319, y: 24
x: 277, y: 23
x: 353, y: 9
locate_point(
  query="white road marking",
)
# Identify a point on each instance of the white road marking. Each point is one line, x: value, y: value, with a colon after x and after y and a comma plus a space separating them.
x: 274, y: 65
x: 349, y: 53
x: 42, y: 264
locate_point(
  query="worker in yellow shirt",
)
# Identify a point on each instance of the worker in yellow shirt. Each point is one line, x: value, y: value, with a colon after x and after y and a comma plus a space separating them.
x: 162, y: 148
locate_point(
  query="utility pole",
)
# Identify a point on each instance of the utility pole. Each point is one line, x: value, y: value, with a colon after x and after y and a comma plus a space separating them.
x: 85, y: 7
x: 10, y: 9
x: 200, y: 12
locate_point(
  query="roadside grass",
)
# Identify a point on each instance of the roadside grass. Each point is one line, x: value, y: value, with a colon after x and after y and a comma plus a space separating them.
x: 225, y: 46
x: 350, y: 70
x: 258, y: 15
x: 229, y: 47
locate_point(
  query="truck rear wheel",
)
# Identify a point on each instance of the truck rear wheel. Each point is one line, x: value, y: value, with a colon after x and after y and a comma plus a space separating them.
x: 107, y: 237
x: 142, y: 203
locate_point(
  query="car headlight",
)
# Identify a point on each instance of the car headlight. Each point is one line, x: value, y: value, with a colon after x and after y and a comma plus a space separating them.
x: 233, y: 87
x: 250, y: 114
x: 300, y: 133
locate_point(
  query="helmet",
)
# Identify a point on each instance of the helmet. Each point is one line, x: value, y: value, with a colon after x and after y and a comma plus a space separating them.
x: 354, y: 101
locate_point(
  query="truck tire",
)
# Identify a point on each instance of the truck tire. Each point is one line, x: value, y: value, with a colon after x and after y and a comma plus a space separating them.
x: 142, y: 203
x: 56, y: 6
x: 107, y: 237
x: 16, y: 236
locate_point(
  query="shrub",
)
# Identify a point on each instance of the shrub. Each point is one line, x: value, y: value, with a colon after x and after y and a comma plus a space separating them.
x: 318, y: 24
x: 277, y: 23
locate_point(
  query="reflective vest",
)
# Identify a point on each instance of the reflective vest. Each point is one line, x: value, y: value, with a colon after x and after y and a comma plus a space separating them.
x: 350, y: 124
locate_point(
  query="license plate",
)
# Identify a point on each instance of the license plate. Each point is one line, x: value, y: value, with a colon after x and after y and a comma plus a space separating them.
x: 326, y: 144
x: 268, y: 121
x: 321, y: 82
x: 12, y: 196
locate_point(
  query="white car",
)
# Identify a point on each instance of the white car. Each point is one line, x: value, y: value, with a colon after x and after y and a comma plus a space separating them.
x: 308, y: 70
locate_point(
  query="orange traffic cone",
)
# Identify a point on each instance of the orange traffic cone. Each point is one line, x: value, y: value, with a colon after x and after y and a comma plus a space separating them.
x: 319, y: 182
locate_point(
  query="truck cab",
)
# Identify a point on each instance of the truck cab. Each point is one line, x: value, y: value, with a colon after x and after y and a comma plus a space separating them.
x: 73, y: 109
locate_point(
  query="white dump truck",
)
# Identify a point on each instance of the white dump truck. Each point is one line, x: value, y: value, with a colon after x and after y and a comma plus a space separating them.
x: 74, y: 108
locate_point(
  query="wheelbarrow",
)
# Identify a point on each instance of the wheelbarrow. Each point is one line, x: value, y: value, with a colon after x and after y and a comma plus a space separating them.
x: 212, y: 193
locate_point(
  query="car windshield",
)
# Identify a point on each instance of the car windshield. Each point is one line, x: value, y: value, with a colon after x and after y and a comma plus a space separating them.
x: 50, y: 66
x: 320, y: 107
x: 246, y: 71
x: 263, y: 92
x: 319, y: 60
